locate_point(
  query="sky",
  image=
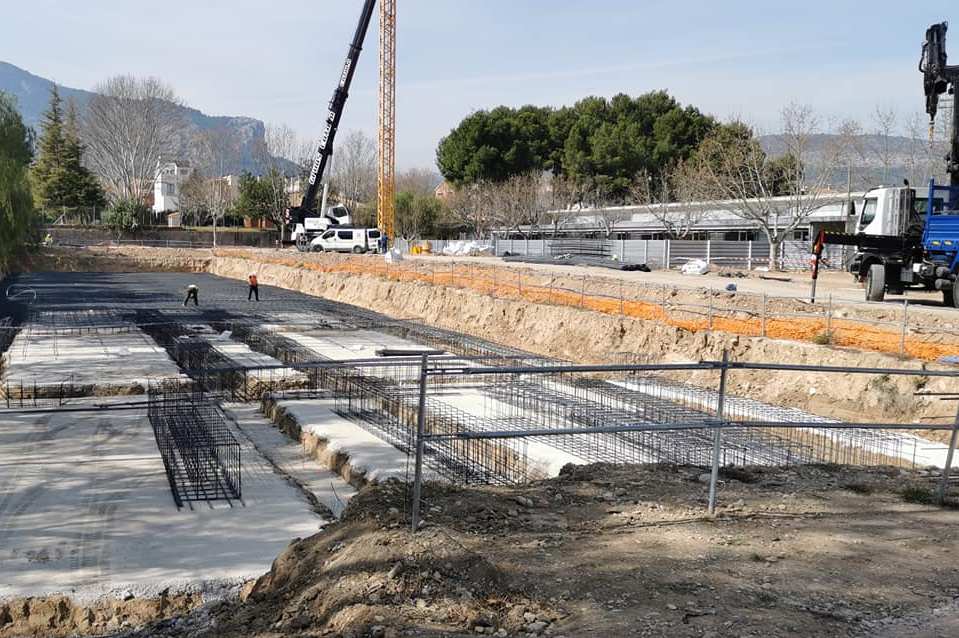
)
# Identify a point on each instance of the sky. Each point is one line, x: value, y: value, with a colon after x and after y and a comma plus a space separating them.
x: 279, y: 60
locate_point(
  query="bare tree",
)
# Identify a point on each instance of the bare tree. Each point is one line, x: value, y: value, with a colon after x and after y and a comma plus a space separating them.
x: 562, y: 194
x: 926, y: 149
x: 419, y: 181
x: 673, y: 198
x: 354, y: 168
x: 475, y: 207
x: 129, y: 125
x: 213, y: 153
x: 745, y: 183
x: 283, y: 161
x: 882, y: 147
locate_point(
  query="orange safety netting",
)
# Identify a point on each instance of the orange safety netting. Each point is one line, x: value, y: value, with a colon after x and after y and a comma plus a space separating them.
x: 516, y: 286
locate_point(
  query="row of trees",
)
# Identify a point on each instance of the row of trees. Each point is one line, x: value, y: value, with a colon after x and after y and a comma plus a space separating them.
x: 600, y: 144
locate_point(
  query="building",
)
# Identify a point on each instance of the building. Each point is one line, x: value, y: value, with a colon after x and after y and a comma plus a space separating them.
x: 444, y: 191
x: 167, y: 184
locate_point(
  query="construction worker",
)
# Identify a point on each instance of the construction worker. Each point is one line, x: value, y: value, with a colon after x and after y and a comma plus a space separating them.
x: 191, y: 293
x: 254, y: 288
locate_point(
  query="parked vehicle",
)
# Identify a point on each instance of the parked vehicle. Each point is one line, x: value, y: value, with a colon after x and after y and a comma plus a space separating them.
x: 907, y: 239
x: 347, y: 240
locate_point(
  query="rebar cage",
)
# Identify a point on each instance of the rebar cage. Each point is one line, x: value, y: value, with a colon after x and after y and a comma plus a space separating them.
x: 200, y: 455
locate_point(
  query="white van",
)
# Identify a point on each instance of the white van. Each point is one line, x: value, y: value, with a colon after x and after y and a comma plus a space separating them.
x: 347, y: 240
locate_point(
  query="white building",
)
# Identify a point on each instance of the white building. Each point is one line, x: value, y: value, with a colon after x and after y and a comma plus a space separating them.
x: 169, y: 179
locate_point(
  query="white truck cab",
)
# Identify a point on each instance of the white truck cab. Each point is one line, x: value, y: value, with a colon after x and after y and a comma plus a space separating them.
x: 338, y: 215
x: 347, y: 240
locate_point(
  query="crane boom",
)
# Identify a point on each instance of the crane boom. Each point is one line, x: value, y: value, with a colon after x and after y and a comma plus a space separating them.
x: 323, y: 152
x: 938, y: 77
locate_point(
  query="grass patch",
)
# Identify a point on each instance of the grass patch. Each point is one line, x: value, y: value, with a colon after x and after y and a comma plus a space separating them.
x: 824, y: 338
x: 858, y: 488
x: 918, y: 495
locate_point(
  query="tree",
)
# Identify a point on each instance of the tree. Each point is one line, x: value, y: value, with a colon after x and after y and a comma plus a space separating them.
x: 494, y: 145
x: 735, y: 171
x: 85, y: 190
x: 206, y: 193
x: 123, y: 215
x: 254, y: 197
x: 419, y: 181
x: 673, y: 199
x: 416, y: 215
x: 16, y: 200
x: 59, y: 177
x: 50, y: 176
x: 881, y: 148
x: 129, y: 124
x: 353, y: 174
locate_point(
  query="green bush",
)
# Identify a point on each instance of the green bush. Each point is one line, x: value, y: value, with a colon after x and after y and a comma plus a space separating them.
x: 123, y: 217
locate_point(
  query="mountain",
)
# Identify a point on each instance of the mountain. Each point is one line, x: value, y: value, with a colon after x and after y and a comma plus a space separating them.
x: 875, y: 159
x: 244, y: 137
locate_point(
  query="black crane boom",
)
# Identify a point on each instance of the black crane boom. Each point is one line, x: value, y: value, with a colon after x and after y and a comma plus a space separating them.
x: 325, y: 149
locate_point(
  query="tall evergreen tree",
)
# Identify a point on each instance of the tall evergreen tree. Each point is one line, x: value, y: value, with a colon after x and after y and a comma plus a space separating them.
x: 84, y: 189
x: 49, y: 171
x: 59, y: 177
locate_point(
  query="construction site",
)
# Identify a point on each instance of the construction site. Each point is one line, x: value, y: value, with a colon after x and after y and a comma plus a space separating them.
x: 334, y: 437
x: 160, y: 455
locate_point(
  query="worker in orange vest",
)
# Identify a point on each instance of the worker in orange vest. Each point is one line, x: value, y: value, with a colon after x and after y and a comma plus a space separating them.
x: 254, y: 288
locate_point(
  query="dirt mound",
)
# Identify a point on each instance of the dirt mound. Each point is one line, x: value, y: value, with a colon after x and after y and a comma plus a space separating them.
x: 53, y: 616
x: 609, y: 550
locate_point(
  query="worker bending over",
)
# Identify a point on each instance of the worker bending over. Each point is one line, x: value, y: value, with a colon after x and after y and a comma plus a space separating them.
x: 191, y: 293
x: 254, y: 288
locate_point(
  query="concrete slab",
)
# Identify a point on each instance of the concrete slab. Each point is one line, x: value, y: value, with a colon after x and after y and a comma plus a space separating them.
x: 343, y: 345
x: 368, y: 454
x: 86, y: 510
x: 120, y: 359
x: 290, y: 457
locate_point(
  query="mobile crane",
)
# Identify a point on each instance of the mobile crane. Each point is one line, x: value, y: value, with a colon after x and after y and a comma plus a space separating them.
x: 307, y: 224
x: 903, y: 240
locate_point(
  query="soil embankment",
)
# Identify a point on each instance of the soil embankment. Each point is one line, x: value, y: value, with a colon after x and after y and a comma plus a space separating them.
x: 561, y: 331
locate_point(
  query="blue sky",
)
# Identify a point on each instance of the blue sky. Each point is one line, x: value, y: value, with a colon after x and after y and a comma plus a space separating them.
x: 278, y: 60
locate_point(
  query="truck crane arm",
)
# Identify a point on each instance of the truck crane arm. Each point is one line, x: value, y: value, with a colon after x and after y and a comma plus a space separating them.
x: 938, y: 78
x: 335, y: 111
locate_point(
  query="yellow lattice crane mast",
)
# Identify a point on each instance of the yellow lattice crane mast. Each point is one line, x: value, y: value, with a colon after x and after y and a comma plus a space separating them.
x: 386, y: 178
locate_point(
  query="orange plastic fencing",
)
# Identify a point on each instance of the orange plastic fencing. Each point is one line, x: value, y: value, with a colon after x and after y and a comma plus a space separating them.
x: 506, y: 284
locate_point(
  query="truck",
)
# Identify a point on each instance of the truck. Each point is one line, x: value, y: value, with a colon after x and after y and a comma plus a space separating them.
x: 906, y: 239
x: 306, y: 226
x: 306, y: 223
x: 346, y: 239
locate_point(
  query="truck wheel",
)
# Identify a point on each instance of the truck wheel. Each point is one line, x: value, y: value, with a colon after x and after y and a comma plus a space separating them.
x: 358, y: 250
x: 950, y: 298
x: 876, y: 283
x: 317, y: 249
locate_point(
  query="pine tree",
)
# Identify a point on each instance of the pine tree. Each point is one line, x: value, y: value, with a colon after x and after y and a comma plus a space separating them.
x: 84, y: 188
x: 49, y: 171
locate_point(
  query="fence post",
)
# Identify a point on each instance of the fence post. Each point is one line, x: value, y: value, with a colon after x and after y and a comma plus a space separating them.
x: 905, y: 328
x: 582, y: 294
x: 646, y: 251
x: 666, y: 248
x: 944, y: 484
x: 749, y: 255
x: 418, y: 467
x: 717, y: 434
x: 709, y: 312
x: 709, y: 249
x: 762, y: 318
x: 664, y: 302
x: 622, y: 247
x: 549, y: 295
x: 621, y: 312
x: 829, y: 315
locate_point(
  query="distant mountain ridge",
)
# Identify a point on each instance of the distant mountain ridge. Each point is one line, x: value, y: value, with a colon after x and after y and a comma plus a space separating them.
x: 245, y: 136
